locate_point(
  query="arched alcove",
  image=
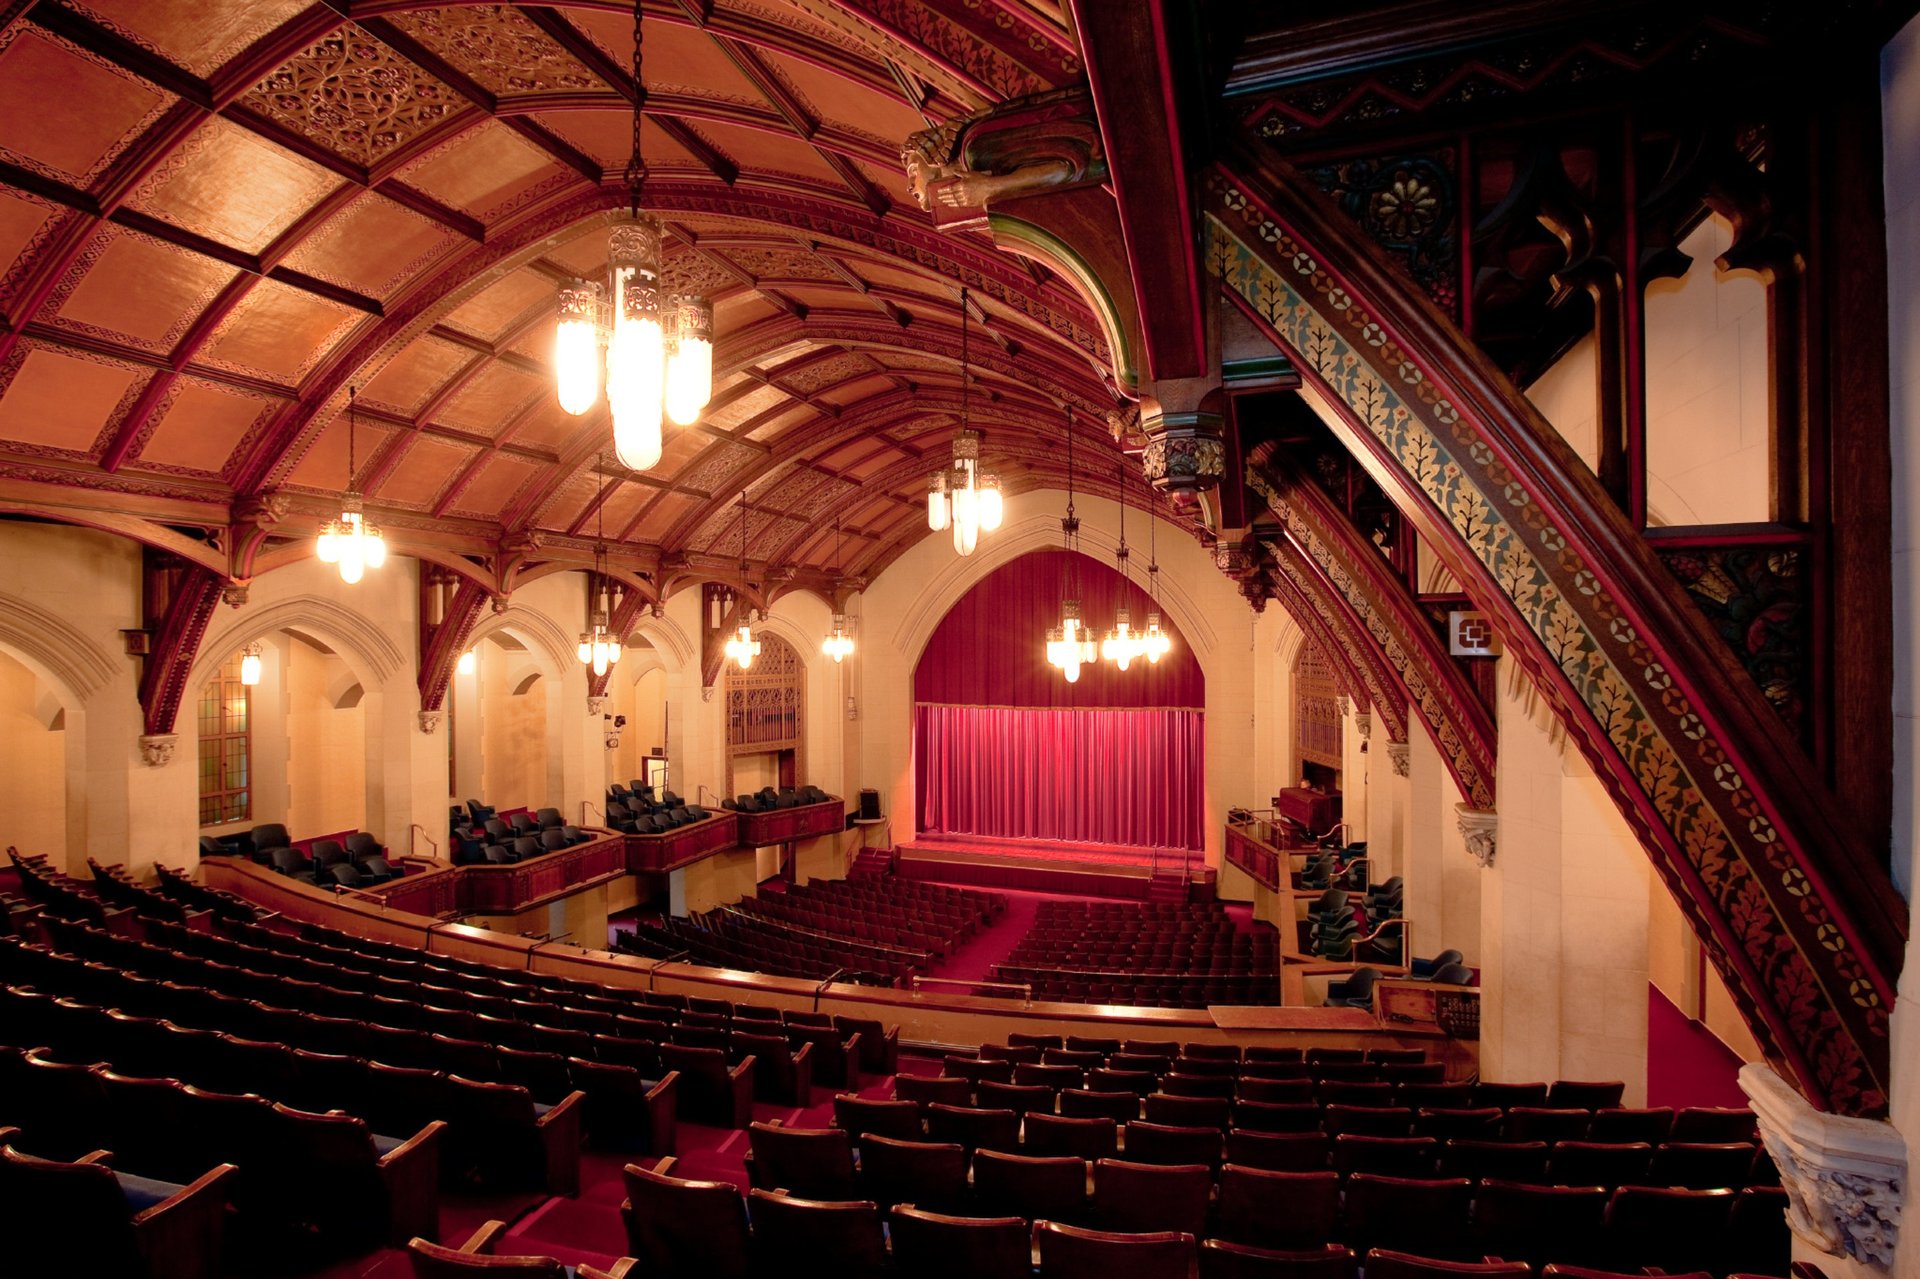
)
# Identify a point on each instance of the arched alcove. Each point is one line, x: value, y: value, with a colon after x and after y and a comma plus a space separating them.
x: 33, y: 762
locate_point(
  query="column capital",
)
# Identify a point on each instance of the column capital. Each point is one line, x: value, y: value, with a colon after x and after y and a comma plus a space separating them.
x: 157, y: 748
x: 1398, y: 753
x: 429, y: 722
x: 1480, y: 827
x: 1844, y: 1177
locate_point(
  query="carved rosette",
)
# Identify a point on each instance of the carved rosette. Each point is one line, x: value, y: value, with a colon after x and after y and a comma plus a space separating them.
x: 1398, y: 755
x: 1185, y: 452
x: 1479, y: 827
x: 1845, y: 1178
x: 430, y: 722
x: 157, y: 748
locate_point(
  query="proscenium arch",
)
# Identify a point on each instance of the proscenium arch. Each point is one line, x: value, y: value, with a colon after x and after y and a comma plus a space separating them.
x: 1795, y: 912
x: 961, y: 574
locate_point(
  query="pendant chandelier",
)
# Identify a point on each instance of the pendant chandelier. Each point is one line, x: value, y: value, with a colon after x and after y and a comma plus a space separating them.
x: 1156, y: 643
x: 963, y: 497
x: 742, y: 647
x: 1069, y: 645
x: 599, y: 646
x: 350, y: 541
x: 658, y: 349
x: 1122, y: 643
x: 838, y: 644
x: 250, y: 665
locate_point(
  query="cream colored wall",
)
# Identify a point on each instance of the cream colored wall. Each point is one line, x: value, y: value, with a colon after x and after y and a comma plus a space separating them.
x: 325, y: 745
x: 1708, y: 454
x: 1564, y: 914
x: 513, y: 732
x: 33, y: 764
x: 65, y: 595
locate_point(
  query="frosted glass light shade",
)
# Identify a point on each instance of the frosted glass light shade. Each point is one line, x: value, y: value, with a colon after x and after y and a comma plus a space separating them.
x: 576, y: 347
x: 468, y: 661
x: 989, y: 503
x: 250, y: 668
x: 690, y: 360
x: 937, y: 503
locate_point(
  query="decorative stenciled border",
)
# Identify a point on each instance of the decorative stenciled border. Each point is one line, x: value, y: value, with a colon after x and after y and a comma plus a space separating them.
x: 1468, y: 751
x: 1805, y: 988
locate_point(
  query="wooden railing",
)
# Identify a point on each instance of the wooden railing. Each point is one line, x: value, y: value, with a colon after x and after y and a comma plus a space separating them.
x: 508, y: 889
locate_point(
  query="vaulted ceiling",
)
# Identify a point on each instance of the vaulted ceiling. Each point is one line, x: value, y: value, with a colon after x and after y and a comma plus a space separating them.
x: 217, y: 216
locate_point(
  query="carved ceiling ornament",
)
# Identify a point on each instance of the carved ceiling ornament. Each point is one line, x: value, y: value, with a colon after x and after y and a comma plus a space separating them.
x: 1845, y: 1178
x: 1016, y: 148
x: 353, y: 95
x: 500, y: 48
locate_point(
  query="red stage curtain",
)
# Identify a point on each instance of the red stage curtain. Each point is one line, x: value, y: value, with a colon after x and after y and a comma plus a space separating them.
x: 1127, y: 777
x: 990, y: 649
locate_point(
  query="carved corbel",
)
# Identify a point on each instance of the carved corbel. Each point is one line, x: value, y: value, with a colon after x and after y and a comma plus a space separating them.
x: 1399, y: 756
x: 430, y: 722
x: 1038, y: 143
x: 1845, y: 1178
x: 254, y: 520
x: 157, y: 748
x: 234, y: 594
x: 596, y: 706
x: 1480, y: 827
x: 1186, y: 429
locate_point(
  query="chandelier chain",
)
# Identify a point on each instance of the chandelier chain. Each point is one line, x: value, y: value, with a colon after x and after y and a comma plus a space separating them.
x: 636, y: 172
x: 966, y: 359
x: 353, y: 395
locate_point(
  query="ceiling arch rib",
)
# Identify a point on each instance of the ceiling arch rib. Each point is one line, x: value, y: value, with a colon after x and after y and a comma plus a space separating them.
x: 277, y: 202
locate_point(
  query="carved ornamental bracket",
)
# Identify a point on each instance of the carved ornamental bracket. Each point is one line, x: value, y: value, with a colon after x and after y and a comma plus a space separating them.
x: 1039, y: 143
x: 1399, y: 755
x: 1845, y: 1178
x: 1480, y: 827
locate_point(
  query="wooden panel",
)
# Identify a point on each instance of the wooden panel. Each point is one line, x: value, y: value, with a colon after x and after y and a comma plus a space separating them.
x: 653, y: 854
x: 1259, y: 860
x: 785, y: 824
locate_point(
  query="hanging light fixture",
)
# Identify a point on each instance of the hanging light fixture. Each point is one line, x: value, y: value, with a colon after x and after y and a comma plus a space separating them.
x: 1122, y: 644
x: 1069, y: 645
x: 1156, y: 643
x: 468, y: 662
x: 599, y: 646
x: 838, y: 645
x: 659, y: 349
x: 742, y: 648
x: 350, y: 541
x: 250, y: 665
x: 963, y: 497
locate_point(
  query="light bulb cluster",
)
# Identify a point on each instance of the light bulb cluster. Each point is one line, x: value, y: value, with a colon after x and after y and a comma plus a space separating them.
x: 599, y: 647
x: 963, y: 497
x: 839, y: 644
x: 658, y: 363
x: 351, y: 541
x: 1121, y: 644
x: 1070, y: 645
x: 741, y: 648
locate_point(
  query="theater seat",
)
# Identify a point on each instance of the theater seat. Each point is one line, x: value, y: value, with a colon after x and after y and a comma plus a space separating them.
x: 930, y: 1245
x: 681, y: 1227
x: 478, y: 1257
x: 1068, y: 1252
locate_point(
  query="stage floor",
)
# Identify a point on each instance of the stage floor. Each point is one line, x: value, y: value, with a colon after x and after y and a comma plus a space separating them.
x: 1089, y: 870
x: 1168, y: 859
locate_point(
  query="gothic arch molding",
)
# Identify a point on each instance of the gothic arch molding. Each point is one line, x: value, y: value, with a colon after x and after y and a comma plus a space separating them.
x: 1793, y: 908
x: 71, y: 663
x: 373, y: 658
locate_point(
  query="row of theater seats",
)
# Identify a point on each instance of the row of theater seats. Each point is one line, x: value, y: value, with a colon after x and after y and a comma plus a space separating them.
x: 882, y: 1156
x: 106, y: 897
x: 720, y: 939
x: 766, y: 799
x: 498, y: 841
x: 637, y: 810
x: 358, y: 861
x: 1151, y: 954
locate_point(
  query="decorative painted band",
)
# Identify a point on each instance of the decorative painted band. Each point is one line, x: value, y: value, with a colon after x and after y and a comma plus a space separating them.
x: 1618, y: 665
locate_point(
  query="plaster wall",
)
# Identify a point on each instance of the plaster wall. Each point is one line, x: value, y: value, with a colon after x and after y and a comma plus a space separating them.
x: 33, y: 763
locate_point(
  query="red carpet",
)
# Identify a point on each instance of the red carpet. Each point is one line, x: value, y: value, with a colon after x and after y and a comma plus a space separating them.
x: 1687, y: 1065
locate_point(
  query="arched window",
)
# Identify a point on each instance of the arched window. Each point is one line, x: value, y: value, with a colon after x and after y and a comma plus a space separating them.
x: 1316, y: 714
x: 765, y: 710
x: 226, y: 748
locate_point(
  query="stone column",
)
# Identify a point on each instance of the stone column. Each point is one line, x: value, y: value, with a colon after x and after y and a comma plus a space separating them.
x: 1443, y: 885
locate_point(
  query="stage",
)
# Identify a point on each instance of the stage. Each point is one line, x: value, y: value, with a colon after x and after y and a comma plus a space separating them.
x: 1091, y: 870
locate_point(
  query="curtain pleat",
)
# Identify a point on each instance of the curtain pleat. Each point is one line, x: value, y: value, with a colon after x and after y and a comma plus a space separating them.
x: 1127, y: 777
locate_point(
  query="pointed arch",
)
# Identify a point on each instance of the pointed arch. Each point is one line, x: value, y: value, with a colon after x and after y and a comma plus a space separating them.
x: 69, y: 661
x: 365, y: 648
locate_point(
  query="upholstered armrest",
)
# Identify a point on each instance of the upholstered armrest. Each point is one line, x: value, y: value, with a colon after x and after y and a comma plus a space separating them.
x: 663, y: 1117
x: 740, y: 1085
x: 560, y: 1133
x: 803, y: 1076
x: 411, y: 1174
x: 850, y: 1049
x: 180, y: 1237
